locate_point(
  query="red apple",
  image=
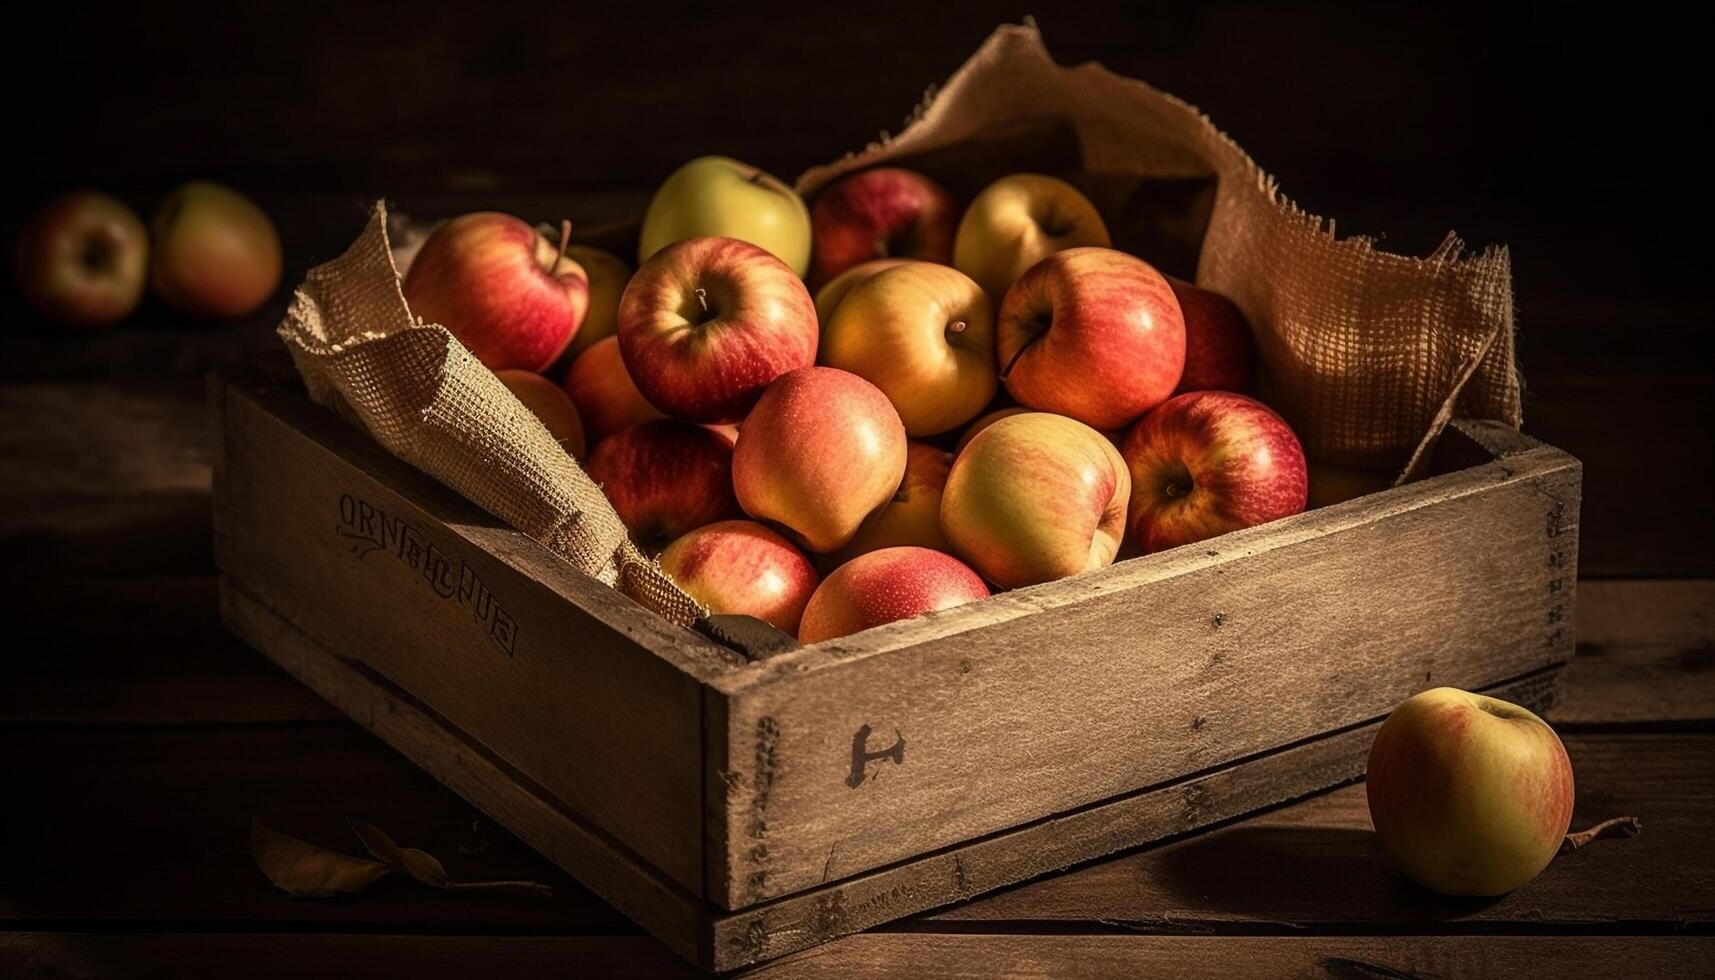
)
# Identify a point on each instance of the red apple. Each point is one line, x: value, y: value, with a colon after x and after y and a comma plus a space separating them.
x: 913, y: 516
x: 510, y: 295
x: 216, y: 253
x: 601, y: 388
x: 664, y: 478
x: 883, y: 213
x: 822, y: 450
x: 742, y: 568
x: 1092, y: 334
x: 1034, y: 498
x: 886, y: 586
x: 708, y: 323
x: 1220, y: 353
x: 551, y: 406
x: 82, y: 259
x: 1470, y: 795
x: 1209, y: 462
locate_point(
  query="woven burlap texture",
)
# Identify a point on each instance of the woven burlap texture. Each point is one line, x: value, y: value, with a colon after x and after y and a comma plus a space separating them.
x: 1367, y: 354
x: 422, y: 395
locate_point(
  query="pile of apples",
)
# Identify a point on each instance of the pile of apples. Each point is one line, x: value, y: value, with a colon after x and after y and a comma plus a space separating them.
x: 981, y: 398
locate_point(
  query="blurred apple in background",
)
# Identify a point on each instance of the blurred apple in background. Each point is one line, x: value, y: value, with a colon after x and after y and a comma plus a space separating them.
x: 708, y: 323
x: 1016, y: 222
x: 665, y: 478
x: 913, y: 516
x: 1208, y: 462
x: 888, y: 212
x: 886, y: 586
x: 1092, y: 334
x: 1334, y: 484
x: 606, y: 398
x: 1220, y: 353
x: 1034, y: 498
x: 82, y: 260
x: 742, y: 568
x: 822, y: 451
x: 607, y: 278
x: 551, y: 406
x: 984, y: 422
x: 721, y: 197
x: 1469, y: 794
x: 216, y: 254
x: 509, y: 294
x: 828, y: 298
x: 922, y: 333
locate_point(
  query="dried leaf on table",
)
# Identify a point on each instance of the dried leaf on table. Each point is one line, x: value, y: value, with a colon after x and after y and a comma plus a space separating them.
x: 421, y: 865
x: 304, y: 870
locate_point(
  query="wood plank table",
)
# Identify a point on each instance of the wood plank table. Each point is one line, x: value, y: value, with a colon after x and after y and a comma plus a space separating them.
x: 137, y: 738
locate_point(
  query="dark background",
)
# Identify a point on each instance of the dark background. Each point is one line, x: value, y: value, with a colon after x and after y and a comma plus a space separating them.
x: 1568, y: 136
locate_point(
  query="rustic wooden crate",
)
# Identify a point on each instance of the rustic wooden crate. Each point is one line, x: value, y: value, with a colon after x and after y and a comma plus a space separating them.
x: 742, y: 806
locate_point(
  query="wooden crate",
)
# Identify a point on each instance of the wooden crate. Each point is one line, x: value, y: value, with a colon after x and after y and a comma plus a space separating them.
x: 741, y: 806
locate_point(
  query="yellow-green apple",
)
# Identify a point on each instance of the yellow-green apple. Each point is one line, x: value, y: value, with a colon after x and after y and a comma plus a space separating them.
x: 1470, y: 795
x: 1334, y: 484
x: 216, y: 253
x: 822, y: 450
x: 1034, y: 498
x: 1220, y: 353
x: 708, y: 323
x: 1018, y: 221
x: 1092, y: 334
x: 507, y: 292
x: 884, y: 587
x: 829, y: 296
x: 984, y: 422
x: 607, y: 277
x: 721, y: 197
x: 606, y: 398
x: 913, y: 516
x: 742, y: 568
x: 1208, y: 462
x: 922, y: 333
x: 882, y: 213
x: 664, y: 478
x: 82, y: 260
x: 551, y: 406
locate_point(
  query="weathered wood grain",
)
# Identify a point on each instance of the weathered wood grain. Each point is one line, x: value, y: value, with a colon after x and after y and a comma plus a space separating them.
x: 1646, y: 653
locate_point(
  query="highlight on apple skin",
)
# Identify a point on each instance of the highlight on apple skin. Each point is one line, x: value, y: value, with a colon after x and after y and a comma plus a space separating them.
x: 216, y: 254
x: 1220, y: 352
x: 821, y: 452
x: 505, y: 291
x: 664, y: 478
x: 884, y: 587
x: 913, y: 516
x: 742, y: 568
x: 888, y: 212
x: 718, y: 196
x: 1470, y: 795
x: 829, y: 297
x: 708, y: 323
x: 924, y: 334
x: 1092, y: 334
x: 1035, y: 498
x: 551, y: 406
x: 1208, y: 462
x: 1016, y: 222
x: 82, y: 260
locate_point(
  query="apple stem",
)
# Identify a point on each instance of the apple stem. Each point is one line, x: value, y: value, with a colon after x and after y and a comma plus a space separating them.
x: 1020, y: 353
x: 1617, y: 827
x: 958, y: 326
x: 560, y: 250
x: 703, y: 299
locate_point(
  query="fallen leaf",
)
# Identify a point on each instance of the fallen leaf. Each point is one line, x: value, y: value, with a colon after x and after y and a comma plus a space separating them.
x: 421, y: 865
x: 304, y: 870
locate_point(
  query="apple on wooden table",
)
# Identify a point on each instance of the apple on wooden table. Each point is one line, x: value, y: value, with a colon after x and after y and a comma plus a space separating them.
x: 664, y: 478
x: 742, y: 568
x: 216, y: 254
x: 887, y: 586
x: 888, y: 212
x: 1018, y: 221
x: 82, y: 260
x: 720, y: 197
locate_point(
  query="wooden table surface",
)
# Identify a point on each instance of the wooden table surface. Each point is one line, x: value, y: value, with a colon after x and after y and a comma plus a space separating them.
x: 138, y: 738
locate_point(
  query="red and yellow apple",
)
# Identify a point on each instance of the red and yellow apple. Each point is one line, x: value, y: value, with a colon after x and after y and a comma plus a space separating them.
x: 216, y: 254
x: 723, y: 198
x: 884, y: 587
x: 1208, y: 462
x: 664, y: 478
x: 984, y: 422
x: 820, y: 453
x: 922, y: 333
x: 1092, y: 334
x: 1034, y: 498
x: 1018, y: 221
x: 913, y: 516
x: 82, y: 260
x: 708, y: 323
x: 1469, y: 794
x: 742, y: 568
x: 551, y: 406
x: 510, y: 295
x: 883, y: 213
x: 602, y: 389
x: 607, y: 277
x: 1220, y: 353
x: 828, y: 298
